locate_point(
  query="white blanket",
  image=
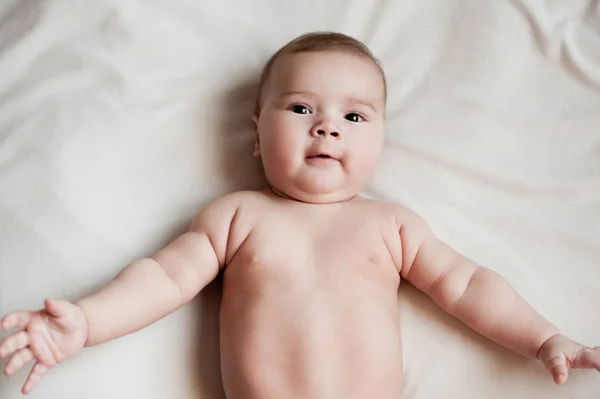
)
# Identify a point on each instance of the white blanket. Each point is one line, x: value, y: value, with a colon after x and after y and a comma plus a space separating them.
x: 120, y: 119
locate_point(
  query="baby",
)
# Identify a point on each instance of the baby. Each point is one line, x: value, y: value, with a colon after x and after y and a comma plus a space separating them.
x: 310, y: 268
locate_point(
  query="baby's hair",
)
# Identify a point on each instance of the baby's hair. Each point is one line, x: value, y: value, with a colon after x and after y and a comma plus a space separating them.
x: 314, y: 42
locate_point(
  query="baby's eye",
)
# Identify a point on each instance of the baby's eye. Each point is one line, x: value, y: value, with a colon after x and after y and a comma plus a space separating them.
x: 354, y: 117
x: 300, y: 109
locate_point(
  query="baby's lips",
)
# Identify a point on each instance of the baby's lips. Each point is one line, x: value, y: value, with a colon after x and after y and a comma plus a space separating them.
x: 323, y: 154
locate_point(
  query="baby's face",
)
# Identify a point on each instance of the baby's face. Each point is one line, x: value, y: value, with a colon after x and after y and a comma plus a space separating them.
x: 321, y: 126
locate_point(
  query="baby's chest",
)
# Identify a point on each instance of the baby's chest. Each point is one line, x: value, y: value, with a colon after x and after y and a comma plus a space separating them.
x: 327, y: 249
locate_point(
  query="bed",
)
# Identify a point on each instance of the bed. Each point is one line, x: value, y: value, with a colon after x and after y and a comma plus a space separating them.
x: 120, y: 119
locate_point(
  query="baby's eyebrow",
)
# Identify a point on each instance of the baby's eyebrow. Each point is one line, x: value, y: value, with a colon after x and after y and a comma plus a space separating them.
x: 357, y: 101
x: 292, y: 93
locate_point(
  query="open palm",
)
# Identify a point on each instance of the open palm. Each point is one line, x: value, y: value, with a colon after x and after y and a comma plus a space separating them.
x: 49, y: 336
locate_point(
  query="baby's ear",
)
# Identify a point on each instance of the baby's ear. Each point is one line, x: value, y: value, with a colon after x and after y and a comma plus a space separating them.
x: 256, y: 152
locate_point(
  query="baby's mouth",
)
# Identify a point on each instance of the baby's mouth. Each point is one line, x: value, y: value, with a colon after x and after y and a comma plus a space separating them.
x: 321, y: 160
x: 322, y: 155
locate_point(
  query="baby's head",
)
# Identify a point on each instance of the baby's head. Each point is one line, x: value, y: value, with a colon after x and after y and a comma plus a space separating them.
x: 319, y: 117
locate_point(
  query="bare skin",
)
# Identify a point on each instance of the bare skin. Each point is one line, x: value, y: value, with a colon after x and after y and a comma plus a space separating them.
x: 335, y: 300
x: 311, y: 269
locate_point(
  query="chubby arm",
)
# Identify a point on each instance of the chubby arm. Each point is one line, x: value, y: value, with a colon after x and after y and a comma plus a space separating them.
x: 484, y: 301
x: 474, y: 294
x: 142, y: 293
x: 151, y: 288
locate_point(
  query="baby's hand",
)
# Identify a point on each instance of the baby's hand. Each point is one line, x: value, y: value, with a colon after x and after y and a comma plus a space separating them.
x: 559, y: 354
x: 50, y: 336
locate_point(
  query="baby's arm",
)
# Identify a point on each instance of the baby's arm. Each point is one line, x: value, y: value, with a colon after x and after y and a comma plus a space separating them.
x: 142, y: 293
x: 486, y: 302
x: 151, y: 288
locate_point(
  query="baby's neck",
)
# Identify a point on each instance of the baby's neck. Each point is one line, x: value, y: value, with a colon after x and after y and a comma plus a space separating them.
x: 283, y: 195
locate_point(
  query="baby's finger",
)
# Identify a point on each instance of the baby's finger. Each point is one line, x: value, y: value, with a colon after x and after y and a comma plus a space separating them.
x: 13, y: 343
x: 558, y: 367
x: 588, y: 358
x: 17, y: 361
x: 36, y: 375
x: 560, y: 374
x: 57, y: 308
x: 15, y: 320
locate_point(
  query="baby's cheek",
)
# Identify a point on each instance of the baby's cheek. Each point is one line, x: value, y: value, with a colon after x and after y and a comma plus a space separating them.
x: 367, y: 156
x: 280, y: 150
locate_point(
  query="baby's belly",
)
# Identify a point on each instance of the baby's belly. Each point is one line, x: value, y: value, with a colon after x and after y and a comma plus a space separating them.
x: 309, y: 339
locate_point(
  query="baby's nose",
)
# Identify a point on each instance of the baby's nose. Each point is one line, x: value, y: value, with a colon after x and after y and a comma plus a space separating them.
x: 325, y: 129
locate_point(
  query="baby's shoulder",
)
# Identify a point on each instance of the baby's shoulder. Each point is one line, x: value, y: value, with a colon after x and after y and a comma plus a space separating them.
x: 237, y: 198
x: 402, y: 216
x: 224, y: 209
x: 231, y: 203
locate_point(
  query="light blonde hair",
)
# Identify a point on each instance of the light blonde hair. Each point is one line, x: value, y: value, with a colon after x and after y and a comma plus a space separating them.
x: 314, y: 42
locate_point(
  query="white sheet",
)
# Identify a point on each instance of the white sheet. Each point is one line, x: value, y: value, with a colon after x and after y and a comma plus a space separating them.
x: 119, y: 119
